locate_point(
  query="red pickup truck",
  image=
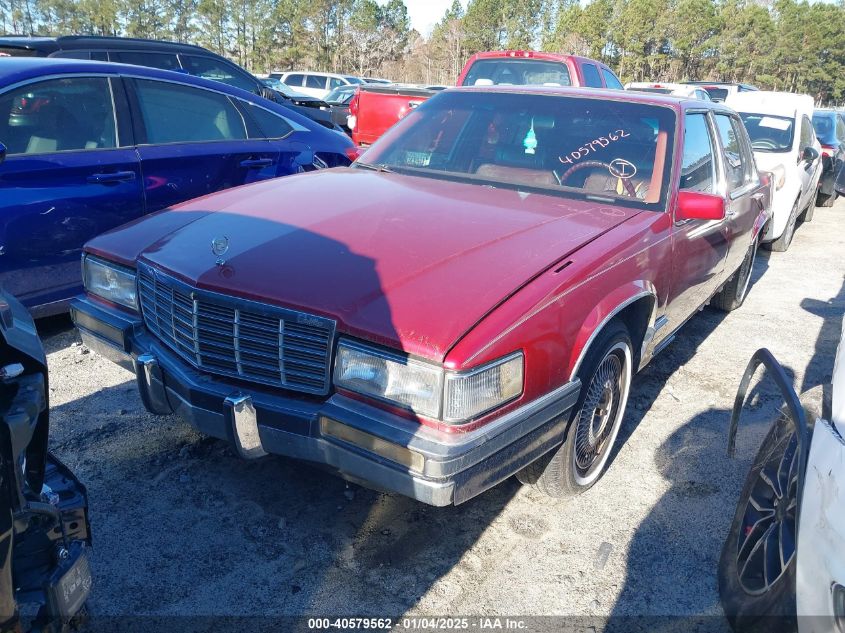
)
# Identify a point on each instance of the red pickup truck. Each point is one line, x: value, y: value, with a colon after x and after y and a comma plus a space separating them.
x: 376, y: 108
x: 503, y: 262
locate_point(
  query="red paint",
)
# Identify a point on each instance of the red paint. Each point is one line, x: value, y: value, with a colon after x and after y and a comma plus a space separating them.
x: 455, y: 273
x: 700, y: 206
x: 377, y: 108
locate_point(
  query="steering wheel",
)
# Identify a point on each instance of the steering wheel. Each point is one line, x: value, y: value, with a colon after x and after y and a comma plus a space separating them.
x: 626, y: 182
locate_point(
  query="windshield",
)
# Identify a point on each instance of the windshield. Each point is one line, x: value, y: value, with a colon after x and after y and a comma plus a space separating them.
x: 278, y: 86
x: 768, y: 133
x: 340, y: 96
x: 354, y: 80
x: 824, y: 123
x: 600, y: 149
x: 517, y: 72
x: 14, y: 51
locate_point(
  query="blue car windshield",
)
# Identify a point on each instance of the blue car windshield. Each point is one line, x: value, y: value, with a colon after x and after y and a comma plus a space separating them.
x: 579, y: 147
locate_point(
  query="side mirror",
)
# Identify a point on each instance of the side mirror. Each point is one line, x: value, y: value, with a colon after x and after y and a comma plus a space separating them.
x: 809, y: 154
x: 2, y: 152
x: 693, y: 205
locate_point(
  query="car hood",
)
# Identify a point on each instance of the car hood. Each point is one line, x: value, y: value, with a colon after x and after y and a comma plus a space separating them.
x: 403, y: 261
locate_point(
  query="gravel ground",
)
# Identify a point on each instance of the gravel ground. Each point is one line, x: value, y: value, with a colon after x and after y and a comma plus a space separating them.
x: 183, y: 527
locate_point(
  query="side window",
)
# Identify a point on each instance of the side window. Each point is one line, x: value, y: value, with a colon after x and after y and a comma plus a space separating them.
x: 58, y: 115
x: 698, y: 169
x: 591, y: 76
x: 294, y: 80
x: 315, y: 81
x: 610, y: 80
x: 218, y: 70
x: 840, y: 129
x: 738, y: 167
x: 807, y: 134
x: 182, y: 114
x: 163, y: 61
x: 71, y: 54
x: 270, y: 124
x: 334, y: 82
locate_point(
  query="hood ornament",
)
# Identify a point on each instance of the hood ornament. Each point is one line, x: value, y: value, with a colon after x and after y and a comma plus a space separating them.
x: 219, y: 246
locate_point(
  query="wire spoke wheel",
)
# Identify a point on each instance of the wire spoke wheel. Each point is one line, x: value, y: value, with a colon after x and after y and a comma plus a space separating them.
x: 766, y: 543
x: 597, y: 422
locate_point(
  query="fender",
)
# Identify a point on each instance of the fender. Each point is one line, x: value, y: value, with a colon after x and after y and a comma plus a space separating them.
x: 613, y: 303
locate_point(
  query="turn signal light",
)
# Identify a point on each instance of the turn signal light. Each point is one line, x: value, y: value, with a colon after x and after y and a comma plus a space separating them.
x: 394, y: 452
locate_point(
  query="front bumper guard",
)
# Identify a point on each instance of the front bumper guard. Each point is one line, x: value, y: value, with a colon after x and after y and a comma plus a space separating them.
x: 447, y: 468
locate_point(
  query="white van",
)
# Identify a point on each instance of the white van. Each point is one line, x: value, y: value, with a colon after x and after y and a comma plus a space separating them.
x: 781, y: 130
x: 315, y: 84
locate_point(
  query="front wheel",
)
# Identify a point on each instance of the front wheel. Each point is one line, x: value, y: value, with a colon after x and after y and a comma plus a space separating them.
x: 594, y: 424
x: 757, y: 566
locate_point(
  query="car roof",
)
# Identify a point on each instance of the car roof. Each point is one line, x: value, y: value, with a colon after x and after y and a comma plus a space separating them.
x: 674, y: 101
x: 530, y: 54
x: 771, y: 102
x: 15, y: 69
x: 73, y: 42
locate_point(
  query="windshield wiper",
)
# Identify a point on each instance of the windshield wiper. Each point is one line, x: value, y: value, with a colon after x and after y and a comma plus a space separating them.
x: 375, y: 167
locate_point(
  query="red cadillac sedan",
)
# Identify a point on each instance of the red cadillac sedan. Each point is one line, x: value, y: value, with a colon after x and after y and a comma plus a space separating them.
x: 468, y: 301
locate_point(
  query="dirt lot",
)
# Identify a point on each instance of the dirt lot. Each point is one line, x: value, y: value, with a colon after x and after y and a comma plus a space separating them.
x: 183, y: 527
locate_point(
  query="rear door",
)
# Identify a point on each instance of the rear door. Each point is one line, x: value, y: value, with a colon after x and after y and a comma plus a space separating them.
x: 193, y: 141
x: 743, y: 187
x: 699, y: 247
x: 70, y: 173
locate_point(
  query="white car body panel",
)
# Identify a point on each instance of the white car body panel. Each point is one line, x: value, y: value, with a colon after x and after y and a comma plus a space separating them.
x: 801, y: 178
x: 821, y: 529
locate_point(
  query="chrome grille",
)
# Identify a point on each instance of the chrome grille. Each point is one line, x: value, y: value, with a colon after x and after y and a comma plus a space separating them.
x: 236, y: 337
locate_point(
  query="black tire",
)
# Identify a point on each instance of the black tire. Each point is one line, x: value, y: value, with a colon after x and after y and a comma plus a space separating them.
x: 825, y: 200
x: 807, y: 216
x: 759, y: 597
x: 606, y: 374
x: 781, y: 245
x: 733, y: 294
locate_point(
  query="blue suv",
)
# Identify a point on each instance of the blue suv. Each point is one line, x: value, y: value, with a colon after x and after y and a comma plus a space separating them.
x: 87, y: 146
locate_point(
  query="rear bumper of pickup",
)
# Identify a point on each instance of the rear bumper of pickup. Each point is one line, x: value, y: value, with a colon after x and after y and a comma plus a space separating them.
x: 362, y: 443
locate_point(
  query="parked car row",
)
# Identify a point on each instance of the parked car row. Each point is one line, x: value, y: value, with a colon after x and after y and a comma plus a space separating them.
x: 87, y: 146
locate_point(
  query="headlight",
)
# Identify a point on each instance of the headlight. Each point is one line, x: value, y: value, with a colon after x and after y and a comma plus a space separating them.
x: 110, y: 281
x: 425, y: 388
x: 408, y: 383
x: 779, y: 176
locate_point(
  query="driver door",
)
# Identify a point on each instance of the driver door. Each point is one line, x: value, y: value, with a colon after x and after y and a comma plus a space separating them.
x: 699, y: 247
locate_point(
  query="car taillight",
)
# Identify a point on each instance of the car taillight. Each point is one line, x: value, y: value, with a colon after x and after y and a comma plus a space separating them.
x: 353, y: 152
x: 352, y: 118
x: 828, y: 150
x: 521, y: 54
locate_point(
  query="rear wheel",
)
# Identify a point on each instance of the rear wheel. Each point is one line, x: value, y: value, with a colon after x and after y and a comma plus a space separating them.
x: 781, y: 244
x: 580, y: 461
x: 734, y: 292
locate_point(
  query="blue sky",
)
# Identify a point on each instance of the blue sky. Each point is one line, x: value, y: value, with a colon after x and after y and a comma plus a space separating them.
x: 426, y: 13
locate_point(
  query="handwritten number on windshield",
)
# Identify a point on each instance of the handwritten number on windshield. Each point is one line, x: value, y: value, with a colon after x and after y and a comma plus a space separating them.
x: 592, y: 146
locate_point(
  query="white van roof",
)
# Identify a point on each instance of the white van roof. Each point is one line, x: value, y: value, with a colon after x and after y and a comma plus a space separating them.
x: 771, y: 102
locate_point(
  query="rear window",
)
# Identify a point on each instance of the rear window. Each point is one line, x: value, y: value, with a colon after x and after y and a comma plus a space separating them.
x: 769, y: 133
x: 603, y: 150
x: 591, y: 76
x: 716, y: 94
x: 517, y: 72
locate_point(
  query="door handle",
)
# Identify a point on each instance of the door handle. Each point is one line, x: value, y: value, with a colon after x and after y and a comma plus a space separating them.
x: 115, y: 176
x: 256, y: 163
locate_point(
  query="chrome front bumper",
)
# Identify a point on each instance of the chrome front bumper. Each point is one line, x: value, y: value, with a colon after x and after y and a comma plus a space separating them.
x: 447, y: 468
